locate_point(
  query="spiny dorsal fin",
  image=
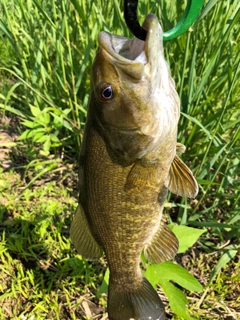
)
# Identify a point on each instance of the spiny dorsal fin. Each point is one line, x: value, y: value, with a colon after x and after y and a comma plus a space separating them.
x: 163, y: 247
x: 180, y: 148
x: 82, y: 237
x: 181, y: 179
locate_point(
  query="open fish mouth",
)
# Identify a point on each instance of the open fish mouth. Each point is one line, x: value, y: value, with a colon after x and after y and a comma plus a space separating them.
x: 145, y: 102
x: 133, y: 50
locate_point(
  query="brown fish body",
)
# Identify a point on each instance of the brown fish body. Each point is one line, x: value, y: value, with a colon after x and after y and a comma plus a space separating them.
x: 122, y: 220
x: 126, y: 168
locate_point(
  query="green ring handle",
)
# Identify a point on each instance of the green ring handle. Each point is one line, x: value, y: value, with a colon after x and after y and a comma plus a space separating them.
x: 190, y: 14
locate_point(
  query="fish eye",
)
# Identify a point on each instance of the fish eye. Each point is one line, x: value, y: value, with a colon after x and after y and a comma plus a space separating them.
x: 106, y: 92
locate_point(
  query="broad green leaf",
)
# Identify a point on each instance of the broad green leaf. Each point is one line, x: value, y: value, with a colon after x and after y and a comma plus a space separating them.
x: 46, y: 117
x: 35, y: 111
x: 54, y: 138
x: 169, y: 271
x: 38, y: 135
x: 187, y: 236
x: 177, y: 299
x: 42, y: 138
x: 32, y: 133
x: 63, y: 122
x: 29, y: 124
x: 104, y: 286
x: 24, y: 135
x: 47, y: 145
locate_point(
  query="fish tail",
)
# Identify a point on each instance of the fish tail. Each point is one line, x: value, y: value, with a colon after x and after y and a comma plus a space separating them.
x: 142, y: 303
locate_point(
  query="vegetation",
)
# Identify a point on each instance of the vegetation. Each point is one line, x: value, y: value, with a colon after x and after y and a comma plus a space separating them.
x: 46, y: 52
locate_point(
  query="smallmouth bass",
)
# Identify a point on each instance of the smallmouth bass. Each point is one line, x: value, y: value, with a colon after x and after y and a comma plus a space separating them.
x: 128, y: 162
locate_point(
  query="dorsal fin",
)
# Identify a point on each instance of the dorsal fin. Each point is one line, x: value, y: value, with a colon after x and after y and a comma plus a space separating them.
x: 181, y: 179
x: 180, y: 148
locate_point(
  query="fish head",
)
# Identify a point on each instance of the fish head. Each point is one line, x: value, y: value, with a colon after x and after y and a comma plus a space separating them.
x: 133, y: 98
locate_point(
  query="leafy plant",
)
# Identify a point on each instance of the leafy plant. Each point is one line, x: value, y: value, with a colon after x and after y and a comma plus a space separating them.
x: 168, y: 272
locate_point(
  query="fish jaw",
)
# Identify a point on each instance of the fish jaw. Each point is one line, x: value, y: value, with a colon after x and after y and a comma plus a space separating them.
x: 144, y: 110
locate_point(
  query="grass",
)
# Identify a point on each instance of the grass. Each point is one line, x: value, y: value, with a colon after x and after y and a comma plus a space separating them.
x: 41, y: 274
x: 46, y: 53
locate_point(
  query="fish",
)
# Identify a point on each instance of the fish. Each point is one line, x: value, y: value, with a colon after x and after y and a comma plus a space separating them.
x: 129, y: 160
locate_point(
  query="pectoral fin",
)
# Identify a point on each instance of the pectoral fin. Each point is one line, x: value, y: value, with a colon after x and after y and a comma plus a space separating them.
x: 82, y: 237
x: 181, y: 180
x: 163, y: 247
x: 141, y: 176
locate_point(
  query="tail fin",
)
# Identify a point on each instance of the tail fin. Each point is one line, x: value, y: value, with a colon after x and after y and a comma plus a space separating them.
x: 140, y: 304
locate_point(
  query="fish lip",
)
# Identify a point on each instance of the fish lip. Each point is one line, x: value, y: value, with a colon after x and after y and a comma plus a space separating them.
x: 133, y: 50
x: 154, y: 40
x: 125, y: 129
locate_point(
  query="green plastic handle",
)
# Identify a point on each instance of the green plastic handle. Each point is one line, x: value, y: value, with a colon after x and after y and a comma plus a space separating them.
x: 191, y: 12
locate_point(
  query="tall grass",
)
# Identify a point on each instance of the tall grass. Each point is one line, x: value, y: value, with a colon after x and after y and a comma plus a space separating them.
x: 205, y: 65
x: 53, y: 49
x: 54, y: 45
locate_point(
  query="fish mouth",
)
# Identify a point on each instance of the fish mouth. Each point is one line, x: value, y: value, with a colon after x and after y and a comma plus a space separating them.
x: 133, y: 50
x: 126, y: 129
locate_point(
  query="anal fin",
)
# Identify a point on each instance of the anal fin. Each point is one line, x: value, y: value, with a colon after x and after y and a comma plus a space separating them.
x: 82, y: 237
x: 163, y: 247
x: 181, y: 180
